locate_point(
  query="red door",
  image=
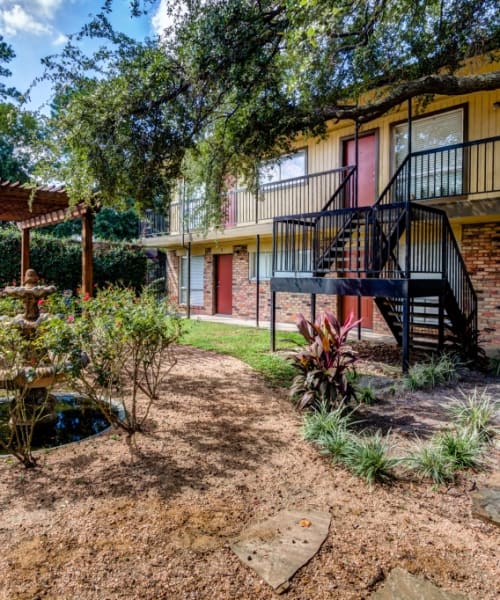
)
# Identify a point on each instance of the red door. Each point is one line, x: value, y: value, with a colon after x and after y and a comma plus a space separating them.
x: 224, y: 284
x: 366, y: 197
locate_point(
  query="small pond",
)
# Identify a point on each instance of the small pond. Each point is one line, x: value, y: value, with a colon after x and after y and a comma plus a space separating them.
x: 72, y: 420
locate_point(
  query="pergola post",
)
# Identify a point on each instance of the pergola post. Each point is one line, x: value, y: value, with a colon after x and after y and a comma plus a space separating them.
x: 25, y: 252
x: 87, y: 263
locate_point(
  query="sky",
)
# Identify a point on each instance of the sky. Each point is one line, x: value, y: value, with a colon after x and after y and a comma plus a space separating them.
x: 38, y: 28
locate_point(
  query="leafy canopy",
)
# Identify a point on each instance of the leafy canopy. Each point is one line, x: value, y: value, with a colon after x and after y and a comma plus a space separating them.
x: 231, y: 82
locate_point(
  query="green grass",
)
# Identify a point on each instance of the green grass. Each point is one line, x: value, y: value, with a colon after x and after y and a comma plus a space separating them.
x: 249, y: 344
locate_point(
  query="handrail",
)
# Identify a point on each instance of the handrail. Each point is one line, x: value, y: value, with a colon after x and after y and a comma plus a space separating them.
x: 351, y: 173
x: 392, y: 181
x: 466, y: 168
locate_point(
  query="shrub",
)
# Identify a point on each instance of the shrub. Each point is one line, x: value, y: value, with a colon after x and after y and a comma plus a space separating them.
x: 323, y: 421
x: 368, y: 457
x: 475, y: 413
x: 429, y: 461
x: 324, y: 362
x: 128, y: 341
x: 365, y: 394
x: 436, y: 372
x: 59, y: 261
x: 462, y: 448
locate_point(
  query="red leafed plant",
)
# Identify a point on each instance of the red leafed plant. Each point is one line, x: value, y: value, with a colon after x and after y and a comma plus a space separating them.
x: 324, y: 362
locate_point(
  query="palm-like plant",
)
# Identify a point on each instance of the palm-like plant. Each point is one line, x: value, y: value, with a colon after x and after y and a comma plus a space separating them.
x: 324, y: 362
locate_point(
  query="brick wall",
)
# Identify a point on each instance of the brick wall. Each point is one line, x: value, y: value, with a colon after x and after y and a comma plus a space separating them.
x: 480, y: 249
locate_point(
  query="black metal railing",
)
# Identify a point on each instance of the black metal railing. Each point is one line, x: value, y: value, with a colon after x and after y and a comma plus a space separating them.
x: 311, y: 193
x: 372, y: 242
x: 153, y: 224
x: 465, y: 169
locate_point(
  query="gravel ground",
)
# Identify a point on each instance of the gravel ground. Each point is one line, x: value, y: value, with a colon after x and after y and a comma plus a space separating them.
x: 107, y: 520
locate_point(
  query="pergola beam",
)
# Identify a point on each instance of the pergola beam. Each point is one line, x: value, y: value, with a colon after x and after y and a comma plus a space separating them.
x: 48, y: 205
x: 54, y: 217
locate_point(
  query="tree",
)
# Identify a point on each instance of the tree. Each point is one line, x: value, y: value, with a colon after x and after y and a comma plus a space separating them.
x: 20, y: 130
x: 233, y: 81
x: 20, y: 133
x: 109, y: 224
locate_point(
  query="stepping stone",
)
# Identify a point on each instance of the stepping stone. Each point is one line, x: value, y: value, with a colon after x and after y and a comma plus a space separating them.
x: 278, y: 547
x: 486, y: 501
x: 401, y: 585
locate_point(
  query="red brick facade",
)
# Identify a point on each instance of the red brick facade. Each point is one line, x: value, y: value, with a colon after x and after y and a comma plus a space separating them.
x: 480, y: 249
x: 288, y: 306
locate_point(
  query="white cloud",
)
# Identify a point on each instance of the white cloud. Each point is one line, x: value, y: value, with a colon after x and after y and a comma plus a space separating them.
x: 60, y: 40
x: 16, y: 20
x: 164, y: 17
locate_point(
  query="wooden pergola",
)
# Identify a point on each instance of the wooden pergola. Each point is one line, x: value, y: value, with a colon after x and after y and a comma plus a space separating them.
x: 30, y: 208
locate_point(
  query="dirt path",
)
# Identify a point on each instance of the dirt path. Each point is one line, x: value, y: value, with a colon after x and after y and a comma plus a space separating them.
x: 98, y: 521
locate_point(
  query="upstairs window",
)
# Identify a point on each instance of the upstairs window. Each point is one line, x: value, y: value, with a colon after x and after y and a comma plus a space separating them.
x: 286, y: 167
x: 434, y: 174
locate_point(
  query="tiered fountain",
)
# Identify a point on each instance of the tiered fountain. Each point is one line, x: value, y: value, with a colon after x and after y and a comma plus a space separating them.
x: 66, y: 417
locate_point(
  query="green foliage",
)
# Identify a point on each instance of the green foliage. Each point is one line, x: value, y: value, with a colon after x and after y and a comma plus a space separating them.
x: 369, y: 458
x: 233, y: 82
x: 324, y: 362
x: 109, y: 224
x: 437, y: 371
x: 129, y: 344
x: 475, y: 413
x: 429, y: 461
x: 365, y: 394
x: 323, y: 421
x: 461, y: 447
x: 59, y: 262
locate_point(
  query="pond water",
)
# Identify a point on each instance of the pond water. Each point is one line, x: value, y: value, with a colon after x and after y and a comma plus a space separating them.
x: 73, y: 419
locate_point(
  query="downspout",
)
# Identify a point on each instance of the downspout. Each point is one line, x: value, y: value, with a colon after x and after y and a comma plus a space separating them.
x: 257, y: 280
x: 406, y: 300
x: 188, y: 290
x: 356, y: 203
x: 188, y: 298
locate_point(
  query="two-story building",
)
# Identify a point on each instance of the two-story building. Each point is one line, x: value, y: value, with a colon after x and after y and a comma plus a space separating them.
x: 398, y: 219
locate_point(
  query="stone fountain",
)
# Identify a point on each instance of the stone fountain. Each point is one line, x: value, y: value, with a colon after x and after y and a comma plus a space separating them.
x: 30, y: 294
x: 61, y: 417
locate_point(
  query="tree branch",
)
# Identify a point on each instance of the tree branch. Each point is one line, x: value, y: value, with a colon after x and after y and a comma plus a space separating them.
x: 447, y: 85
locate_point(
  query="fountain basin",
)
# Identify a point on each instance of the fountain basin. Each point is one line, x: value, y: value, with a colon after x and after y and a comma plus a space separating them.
x: 72, y: 419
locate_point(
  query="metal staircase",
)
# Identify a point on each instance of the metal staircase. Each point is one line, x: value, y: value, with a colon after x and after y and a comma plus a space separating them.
x: 400, y: 252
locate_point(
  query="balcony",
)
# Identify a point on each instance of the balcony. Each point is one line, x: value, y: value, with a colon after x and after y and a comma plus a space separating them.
x: 244, y: 207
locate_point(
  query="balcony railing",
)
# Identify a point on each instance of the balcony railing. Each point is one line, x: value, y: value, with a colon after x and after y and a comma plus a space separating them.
x: 311, y: 193
x: 466, y: 169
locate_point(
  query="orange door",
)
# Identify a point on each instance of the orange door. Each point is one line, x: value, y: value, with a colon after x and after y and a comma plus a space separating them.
x: 366, y: 197
x: 224, y: 284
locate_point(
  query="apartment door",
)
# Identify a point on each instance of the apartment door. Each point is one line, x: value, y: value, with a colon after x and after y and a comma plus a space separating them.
x: 224, y: 284
x: 367, y: 152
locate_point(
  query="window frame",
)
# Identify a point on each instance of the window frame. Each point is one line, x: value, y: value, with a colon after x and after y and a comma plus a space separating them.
x: 278, y: 162
x: 183, y: 260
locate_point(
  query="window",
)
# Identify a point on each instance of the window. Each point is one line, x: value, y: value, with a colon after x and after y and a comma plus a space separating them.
x: 434, y: 174
x: 286, y: 263
x: 196, y: 287
x: 286, y: 167
x: 265, y: 265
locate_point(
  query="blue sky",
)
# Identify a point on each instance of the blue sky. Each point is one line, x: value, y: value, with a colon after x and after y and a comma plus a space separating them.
x: 38, y: 28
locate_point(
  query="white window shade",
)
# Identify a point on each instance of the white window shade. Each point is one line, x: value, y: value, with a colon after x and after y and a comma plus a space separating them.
x: 196, y: 283
x: 434, y: 174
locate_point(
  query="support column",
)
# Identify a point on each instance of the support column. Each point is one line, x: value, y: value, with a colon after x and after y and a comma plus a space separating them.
x: 25, y: 253
x: 257, y: 281
x: 313, y: 308
x: 87, y: 253
x: 273, y: 321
